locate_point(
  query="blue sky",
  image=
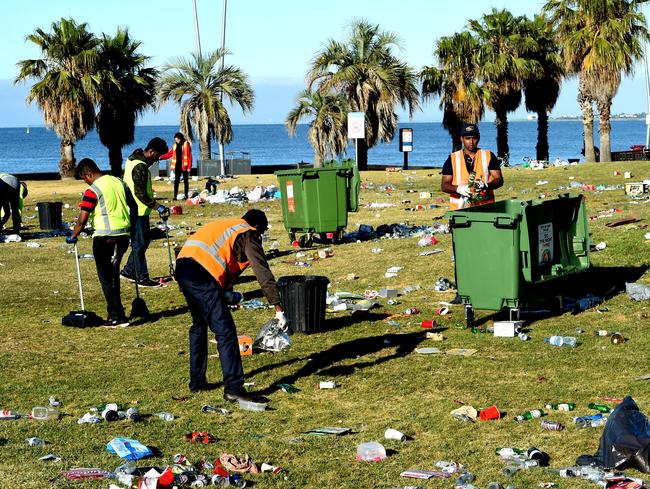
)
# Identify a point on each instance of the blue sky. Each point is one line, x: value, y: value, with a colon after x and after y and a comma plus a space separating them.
x: 272, y: 41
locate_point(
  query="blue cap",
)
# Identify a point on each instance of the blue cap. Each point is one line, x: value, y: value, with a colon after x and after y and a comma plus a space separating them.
x: 469, y: 130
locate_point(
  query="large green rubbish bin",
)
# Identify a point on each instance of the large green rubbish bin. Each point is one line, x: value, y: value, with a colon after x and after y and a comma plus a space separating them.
x: 502, y: 250
x: 317, y: 200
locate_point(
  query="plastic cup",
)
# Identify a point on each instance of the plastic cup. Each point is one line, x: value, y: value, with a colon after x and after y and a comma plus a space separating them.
x: 428, y: 324
x: 490, y: 413
x: 371, y: 451
x: 392, y: 434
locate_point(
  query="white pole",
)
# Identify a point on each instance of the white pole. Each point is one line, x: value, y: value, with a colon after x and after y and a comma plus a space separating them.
x: 647, y: 93
x: 196, y: 28
x: 223, y: 48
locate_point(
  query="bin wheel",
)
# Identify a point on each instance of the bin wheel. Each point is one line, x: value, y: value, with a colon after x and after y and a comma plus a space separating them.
x: 292, y: 237
x: 469, y: 315
x: 306, y: 240
x: 338, y: 236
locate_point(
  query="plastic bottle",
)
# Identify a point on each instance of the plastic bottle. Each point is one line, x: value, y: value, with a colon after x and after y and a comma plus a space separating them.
x: 561, y: 406
x: 509, y: 452
x: 599, y: 407
x: 133, y: 414
x: 165, y: 416
x: 568, y: 341
x: 110, y: 414
x: 532, y: 414
x: 510, y: 470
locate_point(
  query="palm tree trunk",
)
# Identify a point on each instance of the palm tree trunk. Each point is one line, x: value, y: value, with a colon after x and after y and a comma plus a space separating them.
x: 67, y: 162
x: 205, y: 148
x: 542, y: 135
x: 586, y: 106
x: 605, y: 129
x: 362, y: 154
x: 115, y: 159
x: 501, y: 122
x: 318, y: 160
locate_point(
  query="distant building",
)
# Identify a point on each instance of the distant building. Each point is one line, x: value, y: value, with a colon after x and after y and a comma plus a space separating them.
x: 531, y: 117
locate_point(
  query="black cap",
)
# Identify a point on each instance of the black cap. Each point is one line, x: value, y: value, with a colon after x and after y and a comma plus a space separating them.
x: 469, y: 130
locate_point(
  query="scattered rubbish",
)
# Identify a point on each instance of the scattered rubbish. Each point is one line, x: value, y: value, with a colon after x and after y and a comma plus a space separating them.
x: 434, y: 251
x: 442, y: 284
x: 465, y: 413
x: 44, y: 413
x: 89, y: 418
x: 393, y: 434
x: 620, y: 222
x: 327, y: 384
x: 561, y: 406
x: 592, y: 421
x: 490, y: 413
x: 637, y: 291
x: 85, y: 474
x: 216, y: 410
x: 506, y: 329
x: 252, y: 406
x: 35, y: 442
x: 386, y: 293
x: 393, y: 271
x: 288, y: 388
x: 272, y: 337
x: 599, y: 246
x: 328, y: 430
x: 165, y: 416
x: 599, y: 407
x: 532, y: 414
x: 371, y: 451
x: 566, y: 341
x: 11, y: 238
x: 461, y: 352
x: 199, y: 437
x: 33, y: 244
x: 428, y: 351
x: 434, y: 336
x: 430, y: 324
x: 551, y: 425
x: 54, y: 402
x: 50, y: 457
x: 128, y: 448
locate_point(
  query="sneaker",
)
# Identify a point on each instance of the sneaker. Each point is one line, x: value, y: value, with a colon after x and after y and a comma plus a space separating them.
x: 149, y: 283
x: 126, y: 277
x: 116, y: 323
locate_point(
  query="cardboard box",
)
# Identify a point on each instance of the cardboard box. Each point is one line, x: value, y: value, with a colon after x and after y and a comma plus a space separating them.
x: 507, y: 329
x: 635, y: 188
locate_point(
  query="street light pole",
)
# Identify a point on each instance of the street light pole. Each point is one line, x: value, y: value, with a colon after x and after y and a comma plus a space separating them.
x: 196, y: 28
x: 223, y: 49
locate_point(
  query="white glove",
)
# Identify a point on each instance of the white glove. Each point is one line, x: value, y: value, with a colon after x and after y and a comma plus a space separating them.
x: 464, y: 191
x: 481, y: 185
x: 282, y: 319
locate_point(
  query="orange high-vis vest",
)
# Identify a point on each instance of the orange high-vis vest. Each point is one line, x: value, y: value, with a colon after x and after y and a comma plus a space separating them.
x: 212, y: 247
x: 481, y: 162
x: 187, y: 156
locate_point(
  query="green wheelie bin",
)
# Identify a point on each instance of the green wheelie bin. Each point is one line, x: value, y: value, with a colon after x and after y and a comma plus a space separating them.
x: 504, y: 249
x: 317, y: 200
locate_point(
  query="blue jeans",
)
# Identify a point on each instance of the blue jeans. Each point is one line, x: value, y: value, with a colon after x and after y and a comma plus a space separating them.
x: 208, y: 308
x: 139, y: 244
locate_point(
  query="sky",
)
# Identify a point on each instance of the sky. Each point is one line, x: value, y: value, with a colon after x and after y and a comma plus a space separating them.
x: 272, y: 41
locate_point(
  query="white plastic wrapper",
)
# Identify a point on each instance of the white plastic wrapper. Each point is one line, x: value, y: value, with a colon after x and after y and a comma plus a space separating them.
x: 272, y: 337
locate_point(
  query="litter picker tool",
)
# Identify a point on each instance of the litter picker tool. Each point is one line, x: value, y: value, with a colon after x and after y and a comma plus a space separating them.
x: 169, y: 248
x: 139, y: 308
x: 82, y: 318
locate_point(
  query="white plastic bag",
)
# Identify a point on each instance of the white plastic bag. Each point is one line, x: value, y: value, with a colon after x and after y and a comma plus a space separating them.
x: 272, y: 337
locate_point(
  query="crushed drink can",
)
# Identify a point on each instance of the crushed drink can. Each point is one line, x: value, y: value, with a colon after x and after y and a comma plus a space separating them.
x: 551, y: 425
x: 411, y: 311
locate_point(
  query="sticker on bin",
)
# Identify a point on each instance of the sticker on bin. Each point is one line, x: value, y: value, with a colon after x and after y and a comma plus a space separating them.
x: 291, y: 202
x: 545, y: 234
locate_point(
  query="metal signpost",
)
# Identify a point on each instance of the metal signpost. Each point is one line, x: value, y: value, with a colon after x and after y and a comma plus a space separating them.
x: 406, y: 144
x: 356, y: 130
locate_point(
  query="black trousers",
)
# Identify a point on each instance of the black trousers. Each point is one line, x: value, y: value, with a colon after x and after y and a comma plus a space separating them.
x: 208, y: 308
x: 177, y: 178
x: 108, y: 251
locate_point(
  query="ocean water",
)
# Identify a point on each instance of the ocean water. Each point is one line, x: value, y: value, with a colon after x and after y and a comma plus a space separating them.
x: 38, y: 149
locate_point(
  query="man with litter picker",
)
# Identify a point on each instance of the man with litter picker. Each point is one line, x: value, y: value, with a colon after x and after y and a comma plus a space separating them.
x: 208, y: 264
x: 138, y: 179
x: 470, y: 175
x: 110, y: 207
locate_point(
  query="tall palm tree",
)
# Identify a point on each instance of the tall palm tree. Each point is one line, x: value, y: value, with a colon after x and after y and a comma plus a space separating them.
x: 454, y: 82
x: 196, y: 85
x: 599, y: 40
x: 365, y: 70
x: 65, y: 90
x: 542, y: 91
x: 501, y: 65
x: 127, y: 90
x: 328, y: 126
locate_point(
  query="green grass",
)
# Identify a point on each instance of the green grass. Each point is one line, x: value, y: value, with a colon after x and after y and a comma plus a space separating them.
x: 382, y: 382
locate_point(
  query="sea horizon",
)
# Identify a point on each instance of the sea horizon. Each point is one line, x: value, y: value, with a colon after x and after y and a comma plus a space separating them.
x: 37, y: 150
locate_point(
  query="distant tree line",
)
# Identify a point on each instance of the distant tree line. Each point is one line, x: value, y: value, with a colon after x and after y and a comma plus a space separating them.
x: 85, y: 81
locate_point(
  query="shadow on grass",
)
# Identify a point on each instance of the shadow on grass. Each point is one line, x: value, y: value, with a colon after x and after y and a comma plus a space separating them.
x: 325, y: 362
x: 153, y: 317
x: 603, y: 282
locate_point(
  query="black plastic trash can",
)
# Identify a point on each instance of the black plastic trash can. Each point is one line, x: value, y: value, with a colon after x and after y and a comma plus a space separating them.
x: 303, y: 298
x: 50, y: 215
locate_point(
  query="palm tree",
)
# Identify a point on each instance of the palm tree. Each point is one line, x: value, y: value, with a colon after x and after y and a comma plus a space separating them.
x: 328, y: 126
x: 454, y: 82
x: 196, y: 84
x: 65, y: 90
x: 599, y: 40
x: 365, y: 71
x: 501, y: 65
x: 541, y: 91
x: 127, y: 90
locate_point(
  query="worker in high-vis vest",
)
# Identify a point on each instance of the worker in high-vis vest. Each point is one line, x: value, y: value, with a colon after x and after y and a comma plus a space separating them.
x: 12, y: 195
x: 470, y: 175
x: 138, y: 178
x: 109, y: 206
x: 207, y: 267
x: 181, y: 155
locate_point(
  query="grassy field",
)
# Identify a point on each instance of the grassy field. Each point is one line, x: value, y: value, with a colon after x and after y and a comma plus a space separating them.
x: 382, y: 382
